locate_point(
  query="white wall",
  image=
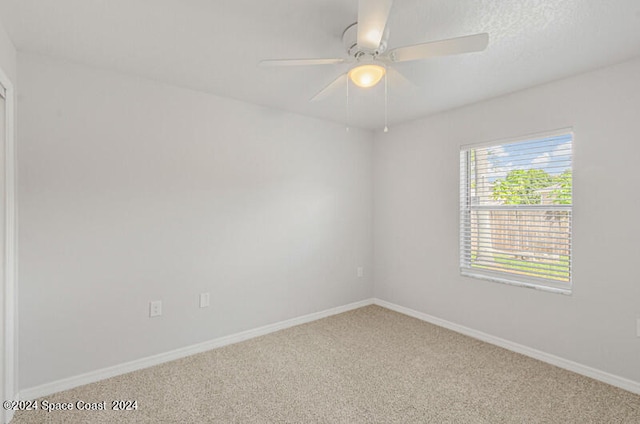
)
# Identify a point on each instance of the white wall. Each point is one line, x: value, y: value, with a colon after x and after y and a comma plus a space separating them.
x: 132, y: 191
x: 416, y: 220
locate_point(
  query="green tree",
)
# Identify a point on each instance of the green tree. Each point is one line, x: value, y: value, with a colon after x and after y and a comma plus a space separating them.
x: 562, y: 195
x: 520, y: 186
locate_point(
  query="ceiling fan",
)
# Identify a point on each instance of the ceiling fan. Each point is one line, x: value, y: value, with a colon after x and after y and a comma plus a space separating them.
x: 366, y: 45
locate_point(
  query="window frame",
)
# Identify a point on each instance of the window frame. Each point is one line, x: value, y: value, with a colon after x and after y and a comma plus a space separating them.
x: 465, y: 209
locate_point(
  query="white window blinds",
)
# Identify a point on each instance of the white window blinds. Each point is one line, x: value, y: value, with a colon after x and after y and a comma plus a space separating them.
x: 515, y: 211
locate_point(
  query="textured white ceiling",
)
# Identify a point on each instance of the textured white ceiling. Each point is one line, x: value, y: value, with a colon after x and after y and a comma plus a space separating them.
x: 215, y: 45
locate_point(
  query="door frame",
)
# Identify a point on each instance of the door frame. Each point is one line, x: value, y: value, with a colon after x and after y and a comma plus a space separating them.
x: 10, y: 273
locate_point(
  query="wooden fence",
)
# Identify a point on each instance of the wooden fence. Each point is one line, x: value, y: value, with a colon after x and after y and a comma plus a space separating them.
x: 540, y: 233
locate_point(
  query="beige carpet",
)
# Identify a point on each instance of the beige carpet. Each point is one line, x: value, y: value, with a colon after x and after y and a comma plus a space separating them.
x: 370, y: 365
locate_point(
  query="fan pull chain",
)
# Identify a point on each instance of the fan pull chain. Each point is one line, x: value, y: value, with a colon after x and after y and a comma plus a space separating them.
x: 386, y: 103
x: 347, y: 104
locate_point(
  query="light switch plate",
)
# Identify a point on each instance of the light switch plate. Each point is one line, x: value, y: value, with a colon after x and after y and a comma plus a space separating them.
x: 204, y: 300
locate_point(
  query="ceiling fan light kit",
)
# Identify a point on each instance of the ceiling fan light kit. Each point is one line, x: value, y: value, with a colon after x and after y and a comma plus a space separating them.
x: 366, y: 76
x: 365, y: 42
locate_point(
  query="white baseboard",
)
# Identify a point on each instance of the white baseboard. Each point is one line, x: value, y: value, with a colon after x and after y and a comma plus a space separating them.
x: 104, y: 373
x: 614, y: 380
x: 101, y: 374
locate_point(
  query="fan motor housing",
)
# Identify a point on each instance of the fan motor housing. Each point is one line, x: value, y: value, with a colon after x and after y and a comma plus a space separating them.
x: 350, y: 42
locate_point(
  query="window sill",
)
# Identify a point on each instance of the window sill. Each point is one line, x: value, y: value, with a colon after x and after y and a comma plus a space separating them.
x: 530, y: 285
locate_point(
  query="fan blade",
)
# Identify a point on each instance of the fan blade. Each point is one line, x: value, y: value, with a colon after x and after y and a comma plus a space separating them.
x: 399, y: 80
x: 322, y: 94
x: 298, y: 62
x: 372, y: 19
x: 467, y: 44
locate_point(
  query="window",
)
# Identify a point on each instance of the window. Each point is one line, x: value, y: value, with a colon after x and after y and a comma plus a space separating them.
x: 515, y: 211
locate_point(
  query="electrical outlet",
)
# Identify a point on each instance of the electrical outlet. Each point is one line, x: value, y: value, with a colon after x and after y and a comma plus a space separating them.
x: 155, y: 308
x: 360, y: 272
x: 204, y: 300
